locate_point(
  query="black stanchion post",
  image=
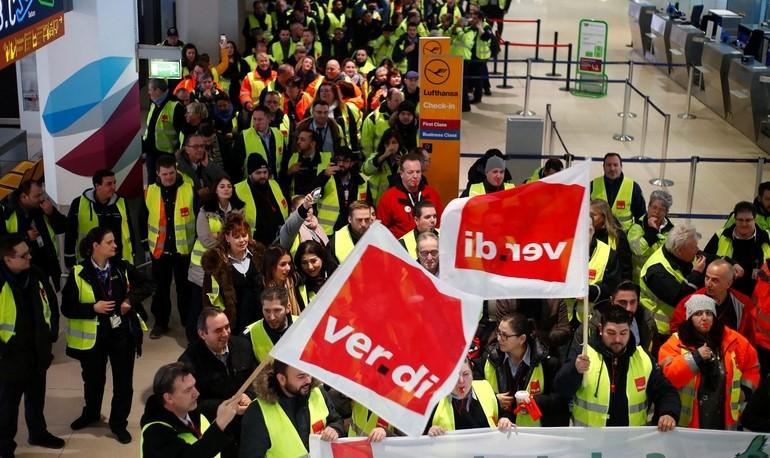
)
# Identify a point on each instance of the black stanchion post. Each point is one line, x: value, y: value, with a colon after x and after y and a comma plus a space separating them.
x: 555, y: 50
x: 569, y: 66
x: 505, y: 69
x: 537, y: 41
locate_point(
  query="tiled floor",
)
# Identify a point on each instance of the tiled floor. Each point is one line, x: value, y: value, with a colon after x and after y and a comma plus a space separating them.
x: 586, y: 125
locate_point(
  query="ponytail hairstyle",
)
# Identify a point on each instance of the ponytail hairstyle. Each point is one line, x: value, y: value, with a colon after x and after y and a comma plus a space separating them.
x: 95, y: 235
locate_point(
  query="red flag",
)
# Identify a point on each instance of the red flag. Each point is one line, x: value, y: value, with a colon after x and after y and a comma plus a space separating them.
x: 385, y: 332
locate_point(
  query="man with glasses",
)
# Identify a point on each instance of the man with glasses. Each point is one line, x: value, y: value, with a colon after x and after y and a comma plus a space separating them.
x: 29, y: 323
x: 195, y: 167
x: 741, y: 243
x: 427, y: 252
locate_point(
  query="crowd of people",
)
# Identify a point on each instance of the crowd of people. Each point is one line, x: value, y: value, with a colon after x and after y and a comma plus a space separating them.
x: 267, y: 169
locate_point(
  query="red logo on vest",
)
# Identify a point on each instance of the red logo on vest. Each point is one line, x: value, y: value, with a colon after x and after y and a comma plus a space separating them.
x: 512, y: 232
x: 397, y: 348
x: 620, y: 204
x: 318, y: 427
x: 534, y: 387
x: 184, y: 211
x: 641, y: 383
x: 592, y: 274
x: 163, y: 117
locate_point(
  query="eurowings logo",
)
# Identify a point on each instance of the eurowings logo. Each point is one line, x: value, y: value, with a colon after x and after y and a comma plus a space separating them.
x: 89, y: 101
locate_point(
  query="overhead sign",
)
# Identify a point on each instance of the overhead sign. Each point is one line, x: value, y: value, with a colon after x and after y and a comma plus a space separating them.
x: 165, y: 69
x: 517, y: 243
x: 28, y: 25
x: 441, y: 85
x: 396, y: 351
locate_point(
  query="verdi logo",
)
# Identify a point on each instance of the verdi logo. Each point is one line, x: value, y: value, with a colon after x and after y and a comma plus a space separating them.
x: 394, y: 348
x: 497, y: 234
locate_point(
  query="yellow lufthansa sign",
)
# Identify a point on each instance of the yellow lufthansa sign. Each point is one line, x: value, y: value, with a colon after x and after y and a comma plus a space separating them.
x: 441, y: 85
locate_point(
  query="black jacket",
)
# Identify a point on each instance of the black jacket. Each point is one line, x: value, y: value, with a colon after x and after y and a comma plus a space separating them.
x: 214, y: 381
x: 160, y: 441
x: 45, y: 258
x: 659, y: 390
x: 107, y: 215
x: 28, y: 352
x: 748, y: 253
x: 552, y: 404
x: 622, y: 251
x: 667, y: 288
x: 141, y: 287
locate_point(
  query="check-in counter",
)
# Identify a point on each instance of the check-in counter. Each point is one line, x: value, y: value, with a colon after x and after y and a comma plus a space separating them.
x: 686, y: 48
x: 660, y: 33
x: 749, y: 96
x: 715, y: 66
x: 639, y: 18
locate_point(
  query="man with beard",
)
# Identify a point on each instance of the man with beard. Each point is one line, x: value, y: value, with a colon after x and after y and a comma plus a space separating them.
x: 613, y: 382
x: 265, y: 333
x: 290, y: 405
x: 359, y: 221
x: 342, y: 184
x: 623, y: 194
x: 494, y: 174
x: 266, y: 208
x: 397, y: 203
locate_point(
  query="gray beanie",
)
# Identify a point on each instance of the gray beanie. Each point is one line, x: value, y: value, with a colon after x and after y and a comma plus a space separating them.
x: 698, y: 302
x: 494, y: 162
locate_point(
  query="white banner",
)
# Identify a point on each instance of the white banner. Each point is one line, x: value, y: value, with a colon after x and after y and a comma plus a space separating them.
x: 385, y: 332
x: 644, y: 442
x: 529, y: 241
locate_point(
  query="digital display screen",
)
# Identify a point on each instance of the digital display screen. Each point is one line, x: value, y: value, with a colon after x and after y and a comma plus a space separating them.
x: 165, y: 69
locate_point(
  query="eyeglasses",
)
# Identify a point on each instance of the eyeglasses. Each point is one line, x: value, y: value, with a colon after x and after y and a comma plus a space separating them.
x: 426, y: 253
x: 24, y: 255
x: 503, y: 336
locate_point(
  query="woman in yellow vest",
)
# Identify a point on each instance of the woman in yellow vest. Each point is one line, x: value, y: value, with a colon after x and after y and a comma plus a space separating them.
x: 102, y: 302
x: 278, y: 270
x: 208, y: 225
x: 518, y: 361
x: 608, y: 230
x: 232, y: 274
x: 471, y: 404
x: 384, y: 163
x: 315, y: 267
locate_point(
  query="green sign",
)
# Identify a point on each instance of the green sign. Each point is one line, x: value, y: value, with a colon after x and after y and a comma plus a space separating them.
x: 165, y: 69
x: 591, y: 80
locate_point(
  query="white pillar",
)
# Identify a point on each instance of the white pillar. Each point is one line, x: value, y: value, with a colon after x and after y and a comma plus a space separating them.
x: 89, y: 102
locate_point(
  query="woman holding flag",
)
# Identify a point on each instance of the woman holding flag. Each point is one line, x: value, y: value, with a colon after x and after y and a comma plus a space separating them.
x: 519, y: 363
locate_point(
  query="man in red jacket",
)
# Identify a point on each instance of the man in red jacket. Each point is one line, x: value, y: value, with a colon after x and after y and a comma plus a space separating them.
x: 396, y: 204
x: 734, y: 309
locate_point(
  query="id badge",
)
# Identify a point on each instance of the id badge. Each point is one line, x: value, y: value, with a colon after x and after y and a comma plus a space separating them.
x: 115, y: 321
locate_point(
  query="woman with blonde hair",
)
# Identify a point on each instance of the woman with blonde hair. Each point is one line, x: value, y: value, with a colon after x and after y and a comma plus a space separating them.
x: 607, y: 228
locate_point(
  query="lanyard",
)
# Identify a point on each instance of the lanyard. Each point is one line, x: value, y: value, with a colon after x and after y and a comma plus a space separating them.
x: 419, y: 197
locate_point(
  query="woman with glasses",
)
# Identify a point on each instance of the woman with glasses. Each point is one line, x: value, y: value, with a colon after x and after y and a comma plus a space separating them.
x: 518, y: 361
x: 102, y: 301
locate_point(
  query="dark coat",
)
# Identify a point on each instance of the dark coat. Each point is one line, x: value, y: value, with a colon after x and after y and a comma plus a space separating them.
x: 551, y: 404
x: 159, y: 441
x: 141, y: 287
x: 660, y: 392
x: 26, y: 354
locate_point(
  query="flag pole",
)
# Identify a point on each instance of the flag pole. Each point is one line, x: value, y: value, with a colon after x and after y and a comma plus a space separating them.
x: 250, y: 380
x: 585, y: 324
